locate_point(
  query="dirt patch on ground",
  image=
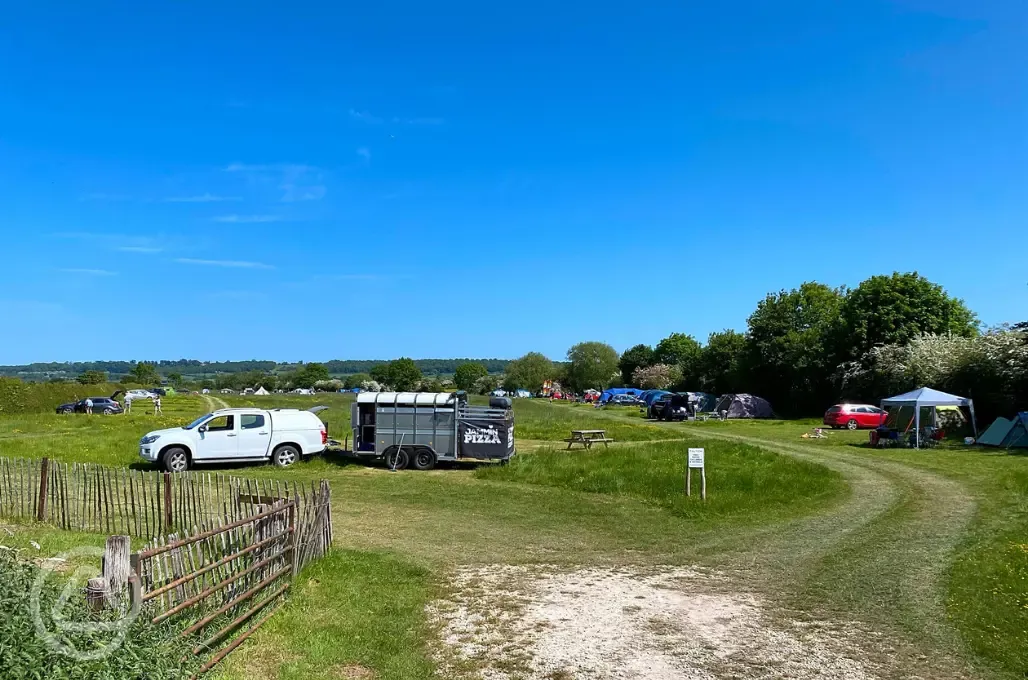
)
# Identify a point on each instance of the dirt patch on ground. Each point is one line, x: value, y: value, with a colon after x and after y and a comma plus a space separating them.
x: 507, y: 623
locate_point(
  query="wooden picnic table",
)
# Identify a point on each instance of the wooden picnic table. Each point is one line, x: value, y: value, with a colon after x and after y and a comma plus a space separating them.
x: 587, y: 438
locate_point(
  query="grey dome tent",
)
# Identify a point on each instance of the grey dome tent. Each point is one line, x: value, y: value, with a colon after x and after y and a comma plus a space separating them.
x: 744, y: 406
x: 926, y: 397
x: 1007, y: 434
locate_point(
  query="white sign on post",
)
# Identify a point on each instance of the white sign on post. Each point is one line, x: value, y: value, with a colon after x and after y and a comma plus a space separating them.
x: 696, y: 461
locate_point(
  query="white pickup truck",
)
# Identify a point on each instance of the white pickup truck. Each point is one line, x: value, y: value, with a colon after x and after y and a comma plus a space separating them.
x: 238, y: 434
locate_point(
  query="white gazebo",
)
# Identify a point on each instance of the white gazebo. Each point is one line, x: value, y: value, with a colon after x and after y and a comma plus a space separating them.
x: 926, y: 397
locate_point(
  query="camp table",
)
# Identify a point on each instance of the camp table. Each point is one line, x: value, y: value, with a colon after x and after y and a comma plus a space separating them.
x: 587, y: 438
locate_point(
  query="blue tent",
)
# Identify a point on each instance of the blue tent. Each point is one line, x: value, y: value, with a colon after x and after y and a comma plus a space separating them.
x: 650, y: 396
x: 607, y: 394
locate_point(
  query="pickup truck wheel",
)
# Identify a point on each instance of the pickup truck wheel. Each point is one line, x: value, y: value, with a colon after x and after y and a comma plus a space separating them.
x: 397, y: 459
x: 285, y: 455
x: 424, y: 459
x: 175, y: 459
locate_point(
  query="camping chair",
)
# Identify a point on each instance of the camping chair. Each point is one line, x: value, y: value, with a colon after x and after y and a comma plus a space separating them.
x: 931, y: 436
x: 884, y: 438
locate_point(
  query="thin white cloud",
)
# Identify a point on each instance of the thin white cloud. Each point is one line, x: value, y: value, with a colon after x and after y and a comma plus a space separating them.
x: 293, y: 193
x: 296, y: 181
x: 247, y: 219
x: 365, y: 153
x: 148, y: 250
x: 365, y: 117
x: 371, y: 119
x: 87, y: 272
x: 202, y: 198
x: 270, y: 167
x: 236, y: 264
x: 418, y: 121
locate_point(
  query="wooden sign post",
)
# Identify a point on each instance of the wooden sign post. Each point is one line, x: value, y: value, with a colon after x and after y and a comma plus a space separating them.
x: 696, y: 461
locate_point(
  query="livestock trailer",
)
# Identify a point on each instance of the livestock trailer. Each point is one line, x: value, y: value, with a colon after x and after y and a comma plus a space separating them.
x: 421, y: 429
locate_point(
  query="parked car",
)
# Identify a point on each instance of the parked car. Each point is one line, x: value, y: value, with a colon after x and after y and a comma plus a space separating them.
x: 854, y: 416
x: 282, y: 436
x: 670, y: 406
x: 105, y: 405
x: 624, y: 400
x: 139, y: 394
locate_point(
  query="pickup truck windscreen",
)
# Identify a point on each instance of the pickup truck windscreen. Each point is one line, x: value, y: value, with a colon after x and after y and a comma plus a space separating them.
x: 198, y: 421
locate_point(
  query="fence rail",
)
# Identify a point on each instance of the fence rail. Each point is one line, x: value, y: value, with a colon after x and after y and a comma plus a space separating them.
x: 221, y: 553
x: 148, y: 505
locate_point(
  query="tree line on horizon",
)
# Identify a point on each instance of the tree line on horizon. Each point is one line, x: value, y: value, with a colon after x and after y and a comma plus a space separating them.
x: 807, y: 348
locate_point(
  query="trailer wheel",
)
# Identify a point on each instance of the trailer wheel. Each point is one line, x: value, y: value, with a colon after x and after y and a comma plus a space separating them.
x: 397, y: 459
x: 424, y: 459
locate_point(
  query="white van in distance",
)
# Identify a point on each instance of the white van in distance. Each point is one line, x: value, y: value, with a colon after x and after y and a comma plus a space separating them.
x: 238, y: 434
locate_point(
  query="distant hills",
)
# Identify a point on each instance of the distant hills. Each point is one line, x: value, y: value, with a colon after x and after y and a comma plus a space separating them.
x: 191, y: 369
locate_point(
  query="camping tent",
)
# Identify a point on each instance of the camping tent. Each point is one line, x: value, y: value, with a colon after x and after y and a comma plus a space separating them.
x: 609, y: 393
x: 926, y: 397
x: 744, y: 406
x: 1009, y: 434
x: 523, y: 394
x: 701, y: 402
x: 260, y: 392
x: 650, y: 396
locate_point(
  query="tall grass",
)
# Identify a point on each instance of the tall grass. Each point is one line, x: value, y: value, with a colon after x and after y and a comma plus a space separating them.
x: 22, y: 397
x: 540, y: 420
x: 741, y: 480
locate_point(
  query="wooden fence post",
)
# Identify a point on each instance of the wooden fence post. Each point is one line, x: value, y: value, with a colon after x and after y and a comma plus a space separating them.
x: 117, y: 567
x: 135, y: 583
x: 44, y: 477
x: 167, y: 502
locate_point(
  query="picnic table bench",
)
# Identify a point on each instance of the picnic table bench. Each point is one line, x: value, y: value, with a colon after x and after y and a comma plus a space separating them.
x: 587, y: 438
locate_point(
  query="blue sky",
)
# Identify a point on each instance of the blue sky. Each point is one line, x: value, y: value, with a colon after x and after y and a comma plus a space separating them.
x: 312, y: 180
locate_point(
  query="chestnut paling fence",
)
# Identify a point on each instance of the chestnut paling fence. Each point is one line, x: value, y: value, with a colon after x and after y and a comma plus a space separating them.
x: 221, y: 551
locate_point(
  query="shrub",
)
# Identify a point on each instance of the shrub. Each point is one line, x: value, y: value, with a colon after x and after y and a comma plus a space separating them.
x: 148, y: 651
x: 21, y: 397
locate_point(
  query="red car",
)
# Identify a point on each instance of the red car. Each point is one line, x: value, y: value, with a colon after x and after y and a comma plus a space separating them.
x: 854, y: 416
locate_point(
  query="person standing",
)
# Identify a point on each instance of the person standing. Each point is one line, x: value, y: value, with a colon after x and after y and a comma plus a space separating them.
x: 157, y: 405
x: 89, y: 406
x: 128, y: 404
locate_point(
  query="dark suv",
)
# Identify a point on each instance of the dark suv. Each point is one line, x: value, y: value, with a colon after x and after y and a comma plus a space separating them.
x: 670, y: 406
x: 104, y: 405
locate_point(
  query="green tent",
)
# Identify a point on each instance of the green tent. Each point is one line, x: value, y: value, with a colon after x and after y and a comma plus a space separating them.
x: 997, y: 433
x: 1007, y: 434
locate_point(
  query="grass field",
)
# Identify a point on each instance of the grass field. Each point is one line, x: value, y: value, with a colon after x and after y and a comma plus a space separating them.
x: 928, y: 547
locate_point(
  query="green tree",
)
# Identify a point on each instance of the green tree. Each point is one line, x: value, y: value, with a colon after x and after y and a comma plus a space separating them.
x: 467, y: 374
x: 486, y: 384
x: 92, y: 377
x: 722, y: 363
x: 792, y: 353
x: 145, y: 374
x: 175, y: 379
x: 529, y: 372
x: 380, y: 373
x: 591, y: 365
x: 404, y: 374
x: 893, y: 310
x: 636, y: 357
x: 683, y: 351
x: 355, y: 380
x: 309, y: 375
